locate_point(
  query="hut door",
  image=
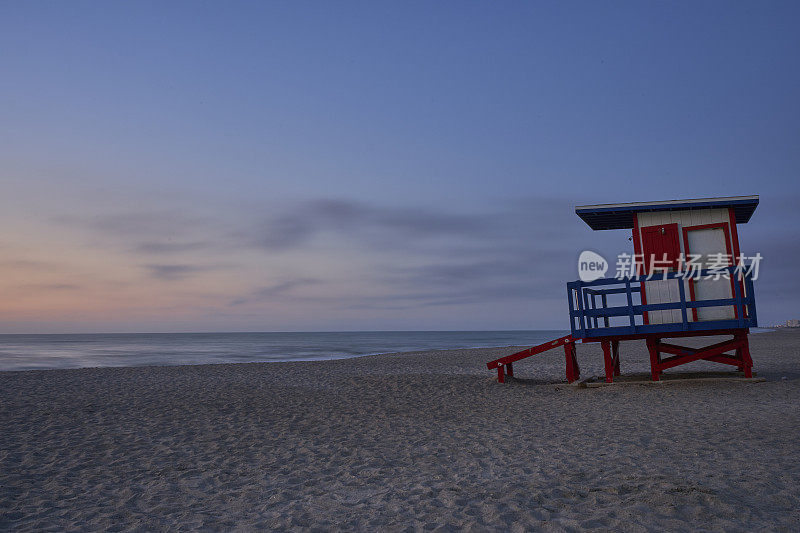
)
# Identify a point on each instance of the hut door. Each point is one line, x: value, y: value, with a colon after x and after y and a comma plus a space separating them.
x: 704, y: 241
x: 661, y: 248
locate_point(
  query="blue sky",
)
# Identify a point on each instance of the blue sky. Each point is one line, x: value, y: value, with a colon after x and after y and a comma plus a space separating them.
x: 368, y: 165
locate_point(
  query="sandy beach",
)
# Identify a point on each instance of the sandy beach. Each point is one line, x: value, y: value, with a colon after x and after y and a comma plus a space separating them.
x: 415, y: 441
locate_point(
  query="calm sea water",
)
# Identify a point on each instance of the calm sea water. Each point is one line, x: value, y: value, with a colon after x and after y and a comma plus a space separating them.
x: 30, y: 352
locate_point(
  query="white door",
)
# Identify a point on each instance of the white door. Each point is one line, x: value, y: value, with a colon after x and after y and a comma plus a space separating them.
x: 705, y: 242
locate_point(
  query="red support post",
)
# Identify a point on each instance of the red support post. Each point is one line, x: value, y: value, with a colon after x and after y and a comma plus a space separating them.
x: 510, y: 369
x: 655, y: 360
x: 615, y: 352
x: 746, y: 359
x: 568, y: 359
x: 573, y: 371
x: 740, y: 358
x: 575, y: 368
x: 501, y: 375
x: 609, y: 361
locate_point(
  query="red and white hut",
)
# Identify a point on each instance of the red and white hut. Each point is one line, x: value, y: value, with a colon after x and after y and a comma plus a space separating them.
x: 688, y: 278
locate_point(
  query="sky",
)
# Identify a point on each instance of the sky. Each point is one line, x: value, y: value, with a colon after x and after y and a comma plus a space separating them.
x: 318, y: 166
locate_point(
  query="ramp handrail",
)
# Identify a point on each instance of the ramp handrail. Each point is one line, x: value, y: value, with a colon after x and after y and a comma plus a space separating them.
x: 529, y: 352
x: 505, y: 364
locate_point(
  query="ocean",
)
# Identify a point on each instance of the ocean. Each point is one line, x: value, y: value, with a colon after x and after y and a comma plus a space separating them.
x: 35, y: 352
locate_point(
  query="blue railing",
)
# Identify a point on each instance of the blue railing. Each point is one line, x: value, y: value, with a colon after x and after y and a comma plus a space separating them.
x: 592, y: 318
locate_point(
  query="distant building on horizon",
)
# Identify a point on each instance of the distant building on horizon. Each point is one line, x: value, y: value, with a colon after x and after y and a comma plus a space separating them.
x: 791, y: 323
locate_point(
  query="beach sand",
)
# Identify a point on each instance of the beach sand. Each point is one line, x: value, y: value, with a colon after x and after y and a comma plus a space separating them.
x: 418, y: 441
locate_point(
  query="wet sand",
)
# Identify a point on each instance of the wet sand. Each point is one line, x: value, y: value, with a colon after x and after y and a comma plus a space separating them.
x: 417, y: 441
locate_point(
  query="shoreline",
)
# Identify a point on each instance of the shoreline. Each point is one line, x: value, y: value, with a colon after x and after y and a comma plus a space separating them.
x: 319, y: 359
x: 271, y: 361
x: 40, y: 352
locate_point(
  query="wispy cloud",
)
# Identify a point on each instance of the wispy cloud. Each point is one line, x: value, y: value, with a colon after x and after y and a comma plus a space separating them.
x: 170, y: 272
x: 54, y: 286
x: 367, y: 224
x: 426, y: 257
x: 137, y: 224
x: 171, y: 247
x: 271, y: 292
x: 29, y: 264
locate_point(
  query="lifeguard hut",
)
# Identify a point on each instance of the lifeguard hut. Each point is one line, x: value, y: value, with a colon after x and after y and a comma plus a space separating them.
x: 687, y: 279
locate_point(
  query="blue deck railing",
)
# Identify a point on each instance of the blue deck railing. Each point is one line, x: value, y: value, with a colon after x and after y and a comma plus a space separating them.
x: 592, y: 318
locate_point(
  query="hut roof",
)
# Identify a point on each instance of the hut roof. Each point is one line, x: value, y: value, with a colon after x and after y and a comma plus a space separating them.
x: 620, y: 216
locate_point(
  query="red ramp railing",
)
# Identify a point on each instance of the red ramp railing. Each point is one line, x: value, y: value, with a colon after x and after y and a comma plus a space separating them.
x: 505, y: 364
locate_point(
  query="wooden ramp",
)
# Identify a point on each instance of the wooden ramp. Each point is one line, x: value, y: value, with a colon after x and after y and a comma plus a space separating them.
x: 506, y: 364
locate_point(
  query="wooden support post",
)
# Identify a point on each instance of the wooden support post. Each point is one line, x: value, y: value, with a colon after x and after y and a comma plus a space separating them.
x: 740, y: 357
x: 568, y: 360
x: 609, y: 361
x: 576, y: 370
x: 652, y: 347
x: 615, y: 353
x: 501, y: 375
x: 746, y: 359
x: 510, y: 370
x: 573, y: 371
